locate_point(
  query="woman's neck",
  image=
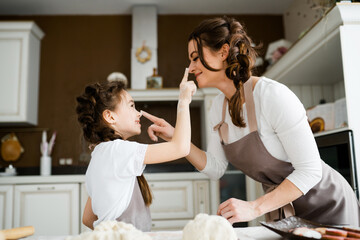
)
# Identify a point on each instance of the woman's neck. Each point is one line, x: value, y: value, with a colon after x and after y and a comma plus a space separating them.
x: 227, y: 87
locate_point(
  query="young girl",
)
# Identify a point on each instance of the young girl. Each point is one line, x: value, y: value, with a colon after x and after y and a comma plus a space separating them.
x: 114, y: 179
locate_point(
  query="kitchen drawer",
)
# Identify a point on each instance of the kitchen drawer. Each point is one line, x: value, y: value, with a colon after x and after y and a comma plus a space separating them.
x: 169, y: 225
x: 172, y: 200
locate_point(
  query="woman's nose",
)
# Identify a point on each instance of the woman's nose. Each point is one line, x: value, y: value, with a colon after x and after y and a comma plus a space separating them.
x: 191, y: 67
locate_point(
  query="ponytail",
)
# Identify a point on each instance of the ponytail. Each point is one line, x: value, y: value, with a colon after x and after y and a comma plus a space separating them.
x: 145, y: 190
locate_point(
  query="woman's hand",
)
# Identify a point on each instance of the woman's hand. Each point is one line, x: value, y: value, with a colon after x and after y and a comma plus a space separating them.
x: 235, y: 210
x: 159, y: 128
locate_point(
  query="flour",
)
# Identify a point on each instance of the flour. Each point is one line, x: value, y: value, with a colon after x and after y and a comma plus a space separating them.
x: 113, y: 230
x: 205, y: 227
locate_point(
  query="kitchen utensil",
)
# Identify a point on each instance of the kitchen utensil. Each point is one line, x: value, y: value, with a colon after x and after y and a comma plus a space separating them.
x: 11, y: 148
x: 16, y: 233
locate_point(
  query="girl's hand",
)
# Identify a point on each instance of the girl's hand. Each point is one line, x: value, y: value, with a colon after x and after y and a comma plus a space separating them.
x: 187, y: 88
x: 160, y: 128
x: 235, y: 210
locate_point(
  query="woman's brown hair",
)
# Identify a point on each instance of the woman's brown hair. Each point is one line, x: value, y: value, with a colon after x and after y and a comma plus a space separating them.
x: 213, y: 34
x: 97, y: 98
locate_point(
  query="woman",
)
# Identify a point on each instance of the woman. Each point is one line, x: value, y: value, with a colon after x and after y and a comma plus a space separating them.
x: 261, y: 128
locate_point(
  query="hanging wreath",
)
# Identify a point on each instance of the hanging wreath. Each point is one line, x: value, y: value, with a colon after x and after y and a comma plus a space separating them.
x: 140, y: 50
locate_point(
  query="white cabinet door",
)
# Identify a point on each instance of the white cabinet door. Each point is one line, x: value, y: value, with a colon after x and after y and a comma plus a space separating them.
x: 83, y: 199
x: 201, y: 197
x: 6, y: 206
x: 172, y: 200
x: 19, y: 72
x: 53, y: 209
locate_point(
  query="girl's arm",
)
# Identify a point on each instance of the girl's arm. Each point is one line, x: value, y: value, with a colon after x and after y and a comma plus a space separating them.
x: 179, y: 145
x: 89, y: 217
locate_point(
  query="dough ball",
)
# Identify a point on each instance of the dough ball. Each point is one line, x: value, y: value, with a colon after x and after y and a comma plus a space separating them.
x: 113, y: 230
x: 205, y: 227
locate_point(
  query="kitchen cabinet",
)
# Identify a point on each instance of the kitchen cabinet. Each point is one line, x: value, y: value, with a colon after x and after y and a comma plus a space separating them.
x: 83, y: 199
x: 6, y: 206
x: 175, y: 201
x: 53, y: 209
x: 324, y: 64
x: 19, y: 72
x: 172, y: 200
x: 54, y: 204
x: 201, y: 197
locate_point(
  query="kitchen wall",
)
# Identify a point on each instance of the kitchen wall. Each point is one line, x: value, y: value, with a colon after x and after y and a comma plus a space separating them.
x: 78, y: 50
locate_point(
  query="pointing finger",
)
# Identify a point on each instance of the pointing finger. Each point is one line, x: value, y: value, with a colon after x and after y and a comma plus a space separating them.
x: 151, y: 117
x: 186, y: 74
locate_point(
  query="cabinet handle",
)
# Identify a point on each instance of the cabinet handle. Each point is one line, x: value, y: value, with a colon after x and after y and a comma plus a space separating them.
x: 202, y: 207
x: 45, y: 188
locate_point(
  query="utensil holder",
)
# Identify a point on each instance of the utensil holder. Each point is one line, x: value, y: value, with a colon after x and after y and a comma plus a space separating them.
x: 45, y: 165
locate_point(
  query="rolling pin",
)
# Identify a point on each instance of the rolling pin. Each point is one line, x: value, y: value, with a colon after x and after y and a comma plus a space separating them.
x: 16, y: 233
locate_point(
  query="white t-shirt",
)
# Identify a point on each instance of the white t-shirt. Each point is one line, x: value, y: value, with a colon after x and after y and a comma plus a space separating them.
x: 283, y: 128
x: 111, y: 175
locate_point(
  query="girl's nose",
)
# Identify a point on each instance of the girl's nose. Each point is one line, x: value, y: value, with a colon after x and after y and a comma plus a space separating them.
x: 139, y: 113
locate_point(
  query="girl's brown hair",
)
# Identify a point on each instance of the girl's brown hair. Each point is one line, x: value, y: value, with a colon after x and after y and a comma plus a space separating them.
x: 97, y: 98
x: 213, y: 34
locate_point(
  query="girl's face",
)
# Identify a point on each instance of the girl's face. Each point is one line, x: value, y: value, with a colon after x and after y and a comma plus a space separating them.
x: 205, y: 77
x: 126, y: 117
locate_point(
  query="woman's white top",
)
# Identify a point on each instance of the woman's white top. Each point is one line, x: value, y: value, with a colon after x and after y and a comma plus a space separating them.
x: 111, y: 175
x: 283, y: 128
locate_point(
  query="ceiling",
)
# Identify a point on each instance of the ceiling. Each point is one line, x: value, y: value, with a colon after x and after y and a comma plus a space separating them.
x: 105, y: 7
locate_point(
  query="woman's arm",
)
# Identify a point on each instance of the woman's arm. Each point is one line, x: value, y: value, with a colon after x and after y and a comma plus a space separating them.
x: 236, y: 210
x: 89, y: 217
x: 179, y: 145
x: 164, y: 130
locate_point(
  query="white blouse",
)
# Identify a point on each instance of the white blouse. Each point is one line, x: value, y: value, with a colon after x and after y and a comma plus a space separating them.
x: 111, y: 177
x: 283, y: 128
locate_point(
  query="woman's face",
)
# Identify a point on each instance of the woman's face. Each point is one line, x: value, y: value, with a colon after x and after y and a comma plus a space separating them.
x: 127, y: 118
x: 205, y: 77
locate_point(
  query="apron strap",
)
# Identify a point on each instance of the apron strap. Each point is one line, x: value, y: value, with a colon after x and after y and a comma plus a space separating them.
x: 250, y: 105
x: 222, y: 127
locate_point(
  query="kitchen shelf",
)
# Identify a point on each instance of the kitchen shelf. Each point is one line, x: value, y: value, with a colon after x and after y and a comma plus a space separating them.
x: 168, y: 94
x: 324, y: 60
x: 324, y: 133
x: 317, y: 57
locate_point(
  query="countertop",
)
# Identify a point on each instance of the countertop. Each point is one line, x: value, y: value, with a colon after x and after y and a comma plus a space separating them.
x: 81, y: 178
x: 248, y: 233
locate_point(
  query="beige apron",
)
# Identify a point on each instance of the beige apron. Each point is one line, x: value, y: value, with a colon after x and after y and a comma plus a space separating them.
x: 331, y: 201
x: 137, y: 213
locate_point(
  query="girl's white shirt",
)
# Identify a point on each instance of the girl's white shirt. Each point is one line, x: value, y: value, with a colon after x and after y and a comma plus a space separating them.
x: 283, y: 128
x: 111, y: 175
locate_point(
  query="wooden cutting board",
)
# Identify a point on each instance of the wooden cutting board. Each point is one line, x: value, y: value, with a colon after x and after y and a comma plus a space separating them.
x: 16, y: 233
